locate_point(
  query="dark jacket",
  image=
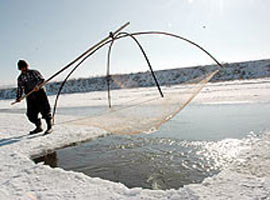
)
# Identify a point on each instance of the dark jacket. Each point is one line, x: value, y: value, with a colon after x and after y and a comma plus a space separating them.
x: 28, y: 81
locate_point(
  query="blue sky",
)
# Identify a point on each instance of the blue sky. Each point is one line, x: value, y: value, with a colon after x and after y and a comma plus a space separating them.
x: 49, y: 34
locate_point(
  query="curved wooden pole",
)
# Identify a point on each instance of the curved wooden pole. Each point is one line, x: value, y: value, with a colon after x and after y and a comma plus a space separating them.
x: 179, y: 37
x: 108, y: 72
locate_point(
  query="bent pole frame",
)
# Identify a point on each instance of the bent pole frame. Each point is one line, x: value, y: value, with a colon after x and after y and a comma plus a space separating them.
x: 74, y: 61
x: 132, y: 35
x: 111, y: 42
x: 118, y: 36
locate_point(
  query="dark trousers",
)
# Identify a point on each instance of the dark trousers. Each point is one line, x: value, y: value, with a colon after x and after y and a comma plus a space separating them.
x: 37, y: 103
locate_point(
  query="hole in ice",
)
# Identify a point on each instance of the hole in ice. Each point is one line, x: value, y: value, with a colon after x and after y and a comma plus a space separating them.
x: 185, y: 150
x: 135, y: 161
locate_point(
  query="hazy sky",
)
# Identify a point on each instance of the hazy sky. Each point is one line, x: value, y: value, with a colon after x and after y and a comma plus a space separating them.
x: 49, y: 34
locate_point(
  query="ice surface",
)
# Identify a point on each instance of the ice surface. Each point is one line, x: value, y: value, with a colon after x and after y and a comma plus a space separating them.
x: 248, y: 177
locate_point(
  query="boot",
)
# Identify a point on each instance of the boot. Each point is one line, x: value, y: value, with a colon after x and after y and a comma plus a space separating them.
x: 38, y: 128
x: 49, y: 126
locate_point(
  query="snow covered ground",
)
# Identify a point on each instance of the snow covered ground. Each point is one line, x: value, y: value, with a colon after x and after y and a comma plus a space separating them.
x: 248, y: 177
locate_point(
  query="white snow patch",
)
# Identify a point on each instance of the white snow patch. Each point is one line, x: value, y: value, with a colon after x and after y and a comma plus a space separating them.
x: 248, y: 177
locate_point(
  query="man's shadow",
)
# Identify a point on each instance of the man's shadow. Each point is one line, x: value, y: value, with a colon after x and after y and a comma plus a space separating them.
x: 11, y: 140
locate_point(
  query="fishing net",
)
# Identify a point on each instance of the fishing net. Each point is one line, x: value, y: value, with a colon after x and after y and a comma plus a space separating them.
x: 142, y: 110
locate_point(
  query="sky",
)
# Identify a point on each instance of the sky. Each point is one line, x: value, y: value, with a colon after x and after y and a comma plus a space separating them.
x: 49, y: 34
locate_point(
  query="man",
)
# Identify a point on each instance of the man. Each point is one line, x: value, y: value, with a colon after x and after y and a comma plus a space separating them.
x: 37, y: 102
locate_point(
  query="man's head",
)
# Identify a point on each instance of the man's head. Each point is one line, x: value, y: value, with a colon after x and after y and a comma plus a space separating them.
x: 22, y: 65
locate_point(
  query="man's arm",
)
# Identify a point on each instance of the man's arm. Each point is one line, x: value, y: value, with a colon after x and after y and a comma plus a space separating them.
x: 20, y: 89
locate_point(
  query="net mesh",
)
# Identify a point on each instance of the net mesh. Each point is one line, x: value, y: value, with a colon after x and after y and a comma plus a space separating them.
x: 139, y: 110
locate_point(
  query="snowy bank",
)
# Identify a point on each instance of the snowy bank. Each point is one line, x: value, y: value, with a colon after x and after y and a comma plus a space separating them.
x: 248, y: 177
x: 233, y: 71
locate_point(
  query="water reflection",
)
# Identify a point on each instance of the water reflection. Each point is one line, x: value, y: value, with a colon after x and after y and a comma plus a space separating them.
x: 148, y: 162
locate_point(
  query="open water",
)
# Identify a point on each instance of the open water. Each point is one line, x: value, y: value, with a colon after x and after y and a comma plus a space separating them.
x: 198, y: 143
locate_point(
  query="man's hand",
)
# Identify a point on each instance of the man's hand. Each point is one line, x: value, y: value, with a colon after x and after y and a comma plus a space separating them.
x: 16, y: 101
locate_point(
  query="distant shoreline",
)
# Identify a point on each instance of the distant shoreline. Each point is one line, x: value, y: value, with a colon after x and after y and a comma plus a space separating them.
x: 232, y: 71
